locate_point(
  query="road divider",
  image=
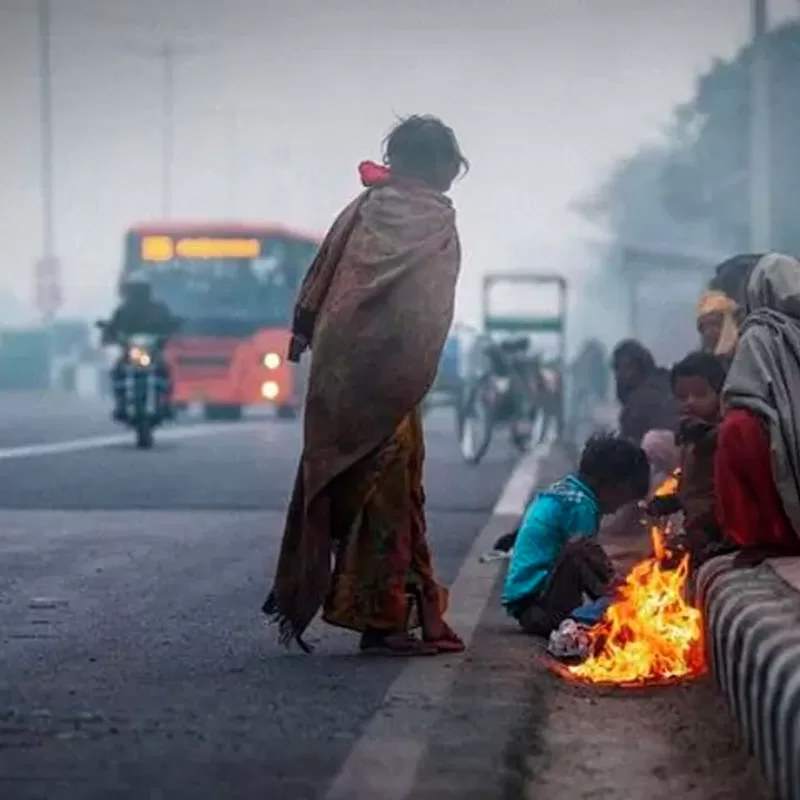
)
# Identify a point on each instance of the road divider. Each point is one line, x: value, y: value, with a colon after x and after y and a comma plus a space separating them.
x: 752, y: 633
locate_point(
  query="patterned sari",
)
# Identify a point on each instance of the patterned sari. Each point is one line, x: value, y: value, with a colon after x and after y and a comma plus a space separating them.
x: 382, y: 563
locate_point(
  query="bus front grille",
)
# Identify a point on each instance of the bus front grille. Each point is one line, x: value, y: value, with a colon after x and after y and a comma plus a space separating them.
x: 204, y: 362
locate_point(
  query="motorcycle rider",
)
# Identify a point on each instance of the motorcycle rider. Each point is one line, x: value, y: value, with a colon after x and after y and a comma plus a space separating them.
x: 139, y: 313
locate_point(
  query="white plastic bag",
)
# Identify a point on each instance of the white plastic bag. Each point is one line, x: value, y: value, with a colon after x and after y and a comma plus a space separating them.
x: 570, y: 640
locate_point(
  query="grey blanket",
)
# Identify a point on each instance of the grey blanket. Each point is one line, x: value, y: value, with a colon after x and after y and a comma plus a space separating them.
x: 764, y: 376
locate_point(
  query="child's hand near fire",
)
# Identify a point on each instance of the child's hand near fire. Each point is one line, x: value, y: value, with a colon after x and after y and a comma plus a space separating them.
x: 661, y: 506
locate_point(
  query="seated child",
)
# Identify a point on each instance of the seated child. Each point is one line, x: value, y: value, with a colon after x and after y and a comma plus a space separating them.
x: 556, y: 560
x: 697, y: 383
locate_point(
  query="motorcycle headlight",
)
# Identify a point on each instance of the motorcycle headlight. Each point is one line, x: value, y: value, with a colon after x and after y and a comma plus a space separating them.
x: 139, y: 356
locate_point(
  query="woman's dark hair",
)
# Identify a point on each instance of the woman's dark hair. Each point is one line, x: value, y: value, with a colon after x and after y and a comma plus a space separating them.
x: 423, y: 147
x: 731, y: 276
x: 636, y: 352
x: 609, y: 460
x: 700, y: 365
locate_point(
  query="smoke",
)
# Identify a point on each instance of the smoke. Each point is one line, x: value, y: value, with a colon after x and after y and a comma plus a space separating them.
x: 276, y: 103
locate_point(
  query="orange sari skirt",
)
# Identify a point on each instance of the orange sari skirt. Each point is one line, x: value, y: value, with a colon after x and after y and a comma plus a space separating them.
x: 382, y: 562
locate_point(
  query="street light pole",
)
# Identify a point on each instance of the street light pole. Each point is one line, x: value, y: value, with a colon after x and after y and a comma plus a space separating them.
x: 760, y: 132
x: 47, y: 288
x: 167, y: 56
x: 46, y: 127
x: 232, y: 147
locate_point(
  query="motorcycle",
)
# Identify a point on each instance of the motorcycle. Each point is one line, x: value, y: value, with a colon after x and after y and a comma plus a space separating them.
x: 146, y: 401
x: 509, y: 388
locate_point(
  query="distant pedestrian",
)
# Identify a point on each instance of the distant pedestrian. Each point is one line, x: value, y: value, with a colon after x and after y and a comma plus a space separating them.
x: 644, y: 393
x: 594, y: 358
x: 375, y: 309
x: 590, y: 378
x: 649, y: 417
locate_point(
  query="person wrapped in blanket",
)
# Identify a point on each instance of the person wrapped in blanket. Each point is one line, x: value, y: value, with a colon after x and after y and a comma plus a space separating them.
x: 557, y: 561
x: 757, y: 465
x: 375, y: 309
x: 697, y: 382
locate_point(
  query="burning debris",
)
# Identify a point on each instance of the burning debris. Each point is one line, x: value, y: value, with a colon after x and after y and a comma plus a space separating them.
x: 669, y: 485
x: 649, y: 633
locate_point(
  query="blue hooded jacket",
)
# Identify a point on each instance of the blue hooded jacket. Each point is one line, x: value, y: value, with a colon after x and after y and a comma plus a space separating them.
x: 569, y: 508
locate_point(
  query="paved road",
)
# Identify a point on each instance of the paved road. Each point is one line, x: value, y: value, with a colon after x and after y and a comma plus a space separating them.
x: 28, y: 418
x: 152, y: 667
x: 134, y: 663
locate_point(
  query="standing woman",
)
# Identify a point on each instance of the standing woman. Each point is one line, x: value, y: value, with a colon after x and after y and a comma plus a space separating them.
x: 375, y: 309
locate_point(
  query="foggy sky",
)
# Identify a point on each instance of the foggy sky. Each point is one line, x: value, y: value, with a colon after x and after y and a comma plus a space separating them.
x: 544, y: 94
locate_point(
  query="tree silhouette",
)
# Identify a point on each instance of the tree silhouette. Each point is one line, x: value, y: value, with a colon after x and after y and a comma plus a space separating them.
x: 693, y: 191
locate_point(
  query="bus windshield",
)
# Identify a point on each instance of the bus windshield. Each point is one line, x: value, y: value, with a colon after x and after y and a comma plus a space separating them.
x: 225, y: 290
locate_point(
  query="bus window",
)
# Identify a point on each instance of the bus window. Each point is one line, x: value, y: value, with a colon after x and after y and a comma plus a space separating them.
x: 218, y: 293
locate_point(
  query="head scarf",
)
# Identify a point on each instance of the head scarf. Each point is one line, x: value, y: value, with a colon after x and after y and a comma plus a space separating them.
x: 764, y: 376
x: 775, y: 285
x: 716, y: 302
x: 373, y: 174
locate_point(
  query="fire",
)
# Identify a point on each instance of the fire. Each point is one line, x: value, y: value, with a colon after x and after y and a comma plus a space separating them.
x: 669, y: 485
x: 649, y: 633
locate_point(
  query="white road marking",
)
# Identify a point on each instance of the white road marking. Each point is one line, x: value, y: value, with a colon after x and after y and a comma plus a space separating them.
x: 384, y: 761
x: 101, y: 442
x: 518, y: 489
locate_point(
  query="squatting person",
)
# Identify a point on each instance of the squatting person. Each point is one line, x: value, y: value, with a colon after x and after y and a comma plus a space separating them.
x: 556, y: 559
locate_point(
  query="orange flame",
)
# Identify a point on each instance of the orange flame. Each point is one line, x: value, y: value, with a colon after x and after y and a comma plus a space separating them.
x: 650, y: 632
x: 669, y: 485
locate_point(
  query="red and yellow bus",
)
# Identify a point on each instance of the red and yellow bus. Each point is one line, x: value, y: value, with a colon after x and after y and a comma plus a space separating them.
x: 234, y: 287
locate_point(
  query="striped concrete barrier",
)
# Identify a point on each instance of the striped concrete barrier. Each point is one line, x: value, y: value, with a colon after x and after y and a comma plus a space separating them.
x: 752, y: 619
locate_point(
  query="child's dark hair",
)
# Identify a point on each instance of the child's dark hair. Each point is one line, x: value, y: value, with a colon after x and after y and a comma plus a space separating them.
x: 608, y: 459
x: 700, y: 365
x: 423, y: 147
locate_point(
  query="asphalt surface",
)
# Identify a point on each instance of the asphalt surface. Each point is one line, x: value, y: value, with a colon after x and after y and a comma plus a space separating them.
x: 29, y: 418
x: 134, y: 662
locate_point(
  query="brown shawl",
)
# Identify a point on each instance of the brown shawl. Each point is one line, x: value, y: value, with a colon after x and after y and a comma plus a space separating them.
x: 376, y: 307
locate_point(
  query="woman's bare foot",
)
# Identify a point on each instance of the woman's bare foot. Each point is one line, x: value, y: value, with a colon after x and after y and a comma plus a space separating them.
x: 445, y: 640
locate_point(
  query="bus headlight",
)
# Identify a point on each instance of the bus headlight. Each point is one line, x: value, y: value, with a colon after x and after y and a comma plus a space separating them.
x: 272, y: 361
x: 270, y: 390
